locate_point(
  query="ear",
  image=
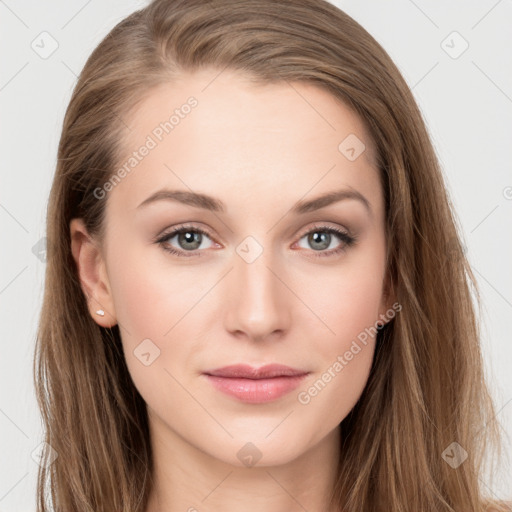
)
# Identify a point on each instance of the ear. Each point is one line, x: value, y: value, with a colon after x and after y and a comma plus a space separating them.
x: 92, y: 273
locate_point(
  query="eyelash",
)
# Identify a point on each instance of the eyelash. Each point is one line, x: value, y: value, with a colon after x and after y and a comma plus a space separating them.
x: 348, y: 240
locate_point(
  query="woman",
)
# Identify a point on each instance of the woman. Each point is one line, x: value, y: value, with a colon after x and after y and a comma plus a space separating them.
x: 256, y: 295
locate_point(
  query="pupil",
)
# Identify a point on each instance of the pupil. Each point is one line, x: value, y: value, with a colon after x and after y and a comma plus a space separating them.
x: 321, y: 239
x: 190, y: 238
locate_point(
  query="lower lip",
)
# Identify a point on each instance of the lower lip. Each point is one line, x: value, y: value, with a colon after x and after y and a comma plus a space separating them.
x: 256, y: 391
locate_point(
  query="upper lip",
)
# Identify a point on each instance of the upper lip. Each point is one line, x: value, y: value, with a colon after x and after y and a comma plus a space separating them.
x: 245, y: 371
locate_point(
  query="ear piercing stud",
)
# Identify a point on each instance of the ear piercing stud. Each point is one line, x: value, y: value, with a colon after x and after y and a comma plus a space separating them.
x: 100, y: 312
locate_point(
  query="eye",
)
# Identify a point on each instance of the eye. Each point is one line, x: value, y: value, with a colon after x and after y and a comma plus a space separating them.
x: 188, y: 239
x: 321, y: 238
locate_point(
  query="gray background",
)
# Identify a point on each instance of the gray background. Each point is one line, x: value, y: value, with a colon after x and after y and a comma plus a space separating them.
x: 466, y: 101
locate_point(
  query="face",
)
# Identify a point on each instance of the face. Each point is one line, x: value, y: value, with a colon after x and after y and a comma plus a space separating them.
x: 258, y: 275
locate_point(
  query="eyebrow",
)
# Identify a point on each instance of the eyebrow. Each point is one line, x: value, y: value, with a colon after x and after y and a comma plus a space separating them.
x: 215, y: 205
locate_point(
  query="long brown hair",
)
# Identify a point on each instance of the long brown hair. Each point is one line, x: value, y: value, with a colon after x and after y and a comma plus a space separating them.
x: 426, y: 389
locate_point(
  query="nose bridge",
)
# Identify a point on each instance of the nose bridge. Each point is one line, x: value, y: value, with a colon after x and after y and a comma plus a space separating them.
x: 258, y: 302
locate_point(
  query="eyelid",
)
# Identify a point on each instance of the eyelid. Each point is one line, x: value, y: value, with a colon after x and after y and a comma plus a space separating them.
x: 324, y: 225
x: 179, y: 227
x: 346, y: 238
x: 344, y: 235
x: 168, y: 232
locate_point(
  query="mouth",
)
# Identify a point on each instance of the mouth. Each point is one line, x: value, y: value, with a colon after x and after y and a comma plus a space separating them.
x: 256, y: 385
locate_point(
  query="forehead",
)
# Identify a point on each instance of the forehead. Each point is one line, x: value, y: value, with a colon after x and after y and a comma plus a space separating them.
x: 212, y: 131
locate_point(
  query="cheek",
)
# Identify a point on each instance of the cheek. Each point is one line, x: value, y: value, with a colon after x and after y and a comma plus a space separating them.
x: 154, y: 305
x: 346, y: 300
x: 333, y: 392
x: 150, y: 295
x: 348, y: 305
x: 151, y: 304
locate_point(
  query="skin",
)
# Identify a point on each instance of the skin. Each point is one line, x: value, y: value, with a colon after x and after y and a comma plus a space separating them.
x: 260, y: 150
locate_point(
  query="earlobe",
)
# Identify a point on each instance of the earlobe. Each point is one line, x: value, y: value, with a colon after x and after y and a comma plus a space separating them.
x: 92, y: 274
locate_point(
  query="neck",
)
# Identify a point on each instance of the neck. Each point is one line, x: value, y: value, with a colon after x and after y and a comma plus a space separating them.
x: 189, y: 480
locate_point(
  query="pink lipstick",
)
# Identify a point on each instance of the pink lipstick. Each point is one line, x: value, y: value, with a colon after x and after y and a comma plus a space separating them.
x: 256, y: 385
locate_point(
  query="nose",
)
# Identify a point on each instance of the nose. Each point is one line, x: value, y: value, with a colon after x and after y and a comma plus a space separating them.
x: 258, y: 301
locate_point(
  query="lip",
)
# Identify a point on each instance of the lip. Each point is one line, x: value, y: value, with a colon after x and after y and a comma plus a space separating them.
x: 256, y: 385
